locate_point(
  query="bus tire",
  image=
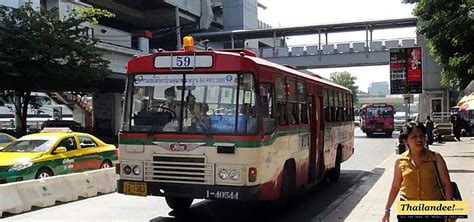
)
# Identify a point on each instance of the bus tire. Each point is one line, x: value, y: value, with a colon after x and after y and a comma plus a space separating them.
x: 334, y: 173
x: 287, y: 186
x: 369, y: 134
x: 389, y: 134
x: 179, y: 203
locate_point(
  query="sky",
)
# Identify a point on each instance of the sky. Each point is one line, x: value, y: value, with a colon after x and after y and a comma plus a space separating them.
x: 284, y: 13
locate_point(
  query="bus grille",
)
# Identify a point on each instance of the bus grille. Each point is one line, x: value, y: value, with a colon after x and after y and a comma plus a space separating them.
x: 179, y: 169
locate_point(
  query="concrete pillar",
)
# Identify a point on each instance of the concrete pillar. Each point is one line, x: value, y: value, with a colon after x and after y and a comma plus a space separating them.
x: 241, y: 14
x: 431, y: 76
x: 106, y: 113
x: 178, y: 29
x: 144, y: 44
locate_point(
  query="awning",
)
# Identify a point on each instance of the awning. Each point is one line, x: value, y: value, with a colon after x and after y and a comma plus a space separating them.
x: 465, y: 99
x: 469, y: 105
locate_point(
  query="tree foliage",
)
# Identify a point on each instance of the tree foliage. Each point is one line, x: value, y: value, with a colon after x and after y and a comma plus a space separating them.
x: 448, y: 26
x: 41, y: 50
x: 347, y: 80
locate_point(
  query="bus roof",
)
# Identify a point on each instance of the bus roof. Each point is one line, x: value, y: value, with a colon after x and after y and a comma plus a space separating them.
x: 142, y: 64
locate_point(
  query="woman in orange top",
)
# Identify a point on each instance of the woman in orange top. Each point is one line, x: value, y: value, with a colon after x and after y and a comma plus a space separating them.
x: 415, y: 173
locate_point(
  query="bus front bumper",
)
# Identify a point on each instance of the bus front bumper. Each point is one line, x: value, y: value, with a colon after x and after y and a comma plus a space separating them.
x: 378, y: 130
x: 214, y: 192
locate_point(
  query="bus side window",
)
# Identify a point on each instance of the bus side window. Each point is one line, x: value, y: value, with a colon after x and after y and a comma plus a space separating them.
x: 268, y: 109
x: 302, y: 104
x: 293, y: 114
x: 304, y: 113
x: 281, y: 97
x: 339, y: 107
x: 332, y: 109
x: 344, y: 102
x: 292, y: 94
x: 282, y: 114
x: 327, y: 113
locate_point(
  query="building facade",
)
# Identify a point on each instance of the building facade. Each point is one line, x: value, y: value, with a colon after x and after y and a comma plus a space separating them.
x: 378, y: 89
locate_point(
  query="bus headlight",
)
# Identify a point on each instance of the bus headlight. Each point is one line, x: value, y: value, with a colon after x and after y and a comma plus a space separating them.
x: 136, y: 170
x: 234, y: 175
x: 223, y: 175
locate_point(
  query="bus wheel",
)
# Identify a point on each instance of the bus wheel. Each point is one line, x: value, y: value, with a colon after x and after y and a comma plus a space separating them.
x: 389, y: 134
x: 369, y: 134
x: 177, y: 203
x: 286, y: 189
x: 334, y: 174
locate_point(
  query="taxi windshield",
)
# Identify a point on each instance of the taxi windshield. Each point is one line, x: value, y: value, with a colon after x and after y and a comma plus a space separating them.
x: 34, y: 146
x: 204, y: 104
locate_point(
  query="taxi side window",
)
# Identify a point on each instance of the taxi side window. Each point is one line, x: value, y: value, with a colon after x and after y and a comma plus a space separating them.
x: 69, y: 143
x: 4, y: 139
x: 87, y: 142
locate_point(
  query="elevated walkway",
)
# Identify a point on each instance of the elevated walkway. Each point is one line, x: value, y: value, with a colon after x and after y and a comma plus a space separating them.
x: 335, y: 55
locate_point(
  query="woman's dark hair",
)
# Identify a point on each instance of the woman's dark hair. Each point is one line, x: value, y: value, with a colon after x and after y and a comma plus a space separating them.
x: 408, y: 128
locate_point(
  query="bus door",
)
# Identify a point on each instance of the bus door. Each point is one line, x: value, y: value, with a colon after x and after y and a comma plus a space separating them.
x: 316, y: 165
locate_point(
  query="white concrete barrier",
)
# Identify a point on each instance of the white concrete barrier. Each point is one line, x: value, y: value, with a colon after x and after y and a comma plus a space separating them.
x: 22, y: 196
x: 102, y: 180
x: 10, y: 200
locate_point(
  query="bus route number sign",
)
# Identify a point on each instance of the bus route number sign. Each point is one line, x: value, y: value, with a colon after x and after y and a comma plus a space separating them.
x: 183, y: 61
x: 227, y: 195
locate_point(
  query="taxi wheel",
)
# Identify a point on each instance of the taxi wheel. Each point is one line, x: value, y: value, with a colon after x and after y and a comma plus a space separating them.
x: 105, y: 164
x: 44, y: 173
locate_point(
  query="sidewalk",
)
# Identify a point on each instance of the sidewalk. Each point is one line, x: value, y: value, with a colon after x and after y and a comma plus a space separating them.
x: 459, y: 157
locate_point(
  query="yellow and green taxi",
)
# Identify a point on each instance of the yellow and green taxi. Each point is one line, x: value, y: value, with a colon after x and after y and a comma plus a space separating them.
x: 5, y: 139
x: 47, y: 154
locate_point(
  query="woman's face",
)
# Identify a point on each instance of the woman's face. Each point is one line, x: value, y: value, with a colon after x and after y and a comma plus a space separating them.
x: 416, y: 139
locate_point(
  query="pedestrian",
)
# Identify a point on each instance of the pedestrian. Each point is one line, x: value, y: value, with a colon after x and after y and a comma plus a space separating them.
x: 429, y: 130
x: 415, y: 173
x: 457, y: 126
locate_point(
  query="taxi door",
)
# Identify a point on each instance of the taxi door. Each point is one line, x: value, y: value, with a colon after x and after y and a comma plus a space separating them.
x: 67, y: 162
x: 90, y: 158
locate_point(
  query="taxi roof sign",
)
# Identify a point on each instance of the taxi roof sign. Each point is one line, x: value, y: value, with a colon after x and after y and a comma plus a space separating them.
x: 56, y: 130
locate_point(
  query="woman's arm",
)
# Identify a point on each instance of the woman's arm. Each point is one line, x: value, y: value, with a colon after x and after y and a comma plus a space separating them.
x: 444, y: 177
x: 396, y: 183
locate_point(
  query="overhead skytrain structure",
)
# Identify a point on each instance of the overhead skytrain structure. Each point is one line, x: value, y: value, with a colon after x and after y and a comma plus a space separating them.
x: 368, y: 26
x: 357, y: 53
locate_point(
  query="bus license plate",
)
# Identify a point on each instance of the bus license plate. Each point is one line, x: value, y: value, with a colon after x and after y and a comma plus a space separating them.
x: 135, y: 188
x: 379, y: 130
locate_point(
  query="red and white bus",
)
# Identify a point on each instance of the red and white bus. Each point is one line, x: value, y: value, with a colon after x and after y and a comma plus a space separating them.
x: 377, y: 118
x: 228, y: 126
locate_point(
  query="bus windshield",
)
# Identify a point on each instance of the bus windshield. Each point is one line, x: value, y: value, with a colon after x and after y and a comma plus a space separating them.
x: 379, y: 112
x: 193, y: 103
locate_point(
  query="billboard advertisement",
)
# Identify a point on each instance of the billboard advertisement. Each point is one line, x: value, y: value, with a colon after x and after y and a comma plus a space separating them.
x: 405, y: 70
